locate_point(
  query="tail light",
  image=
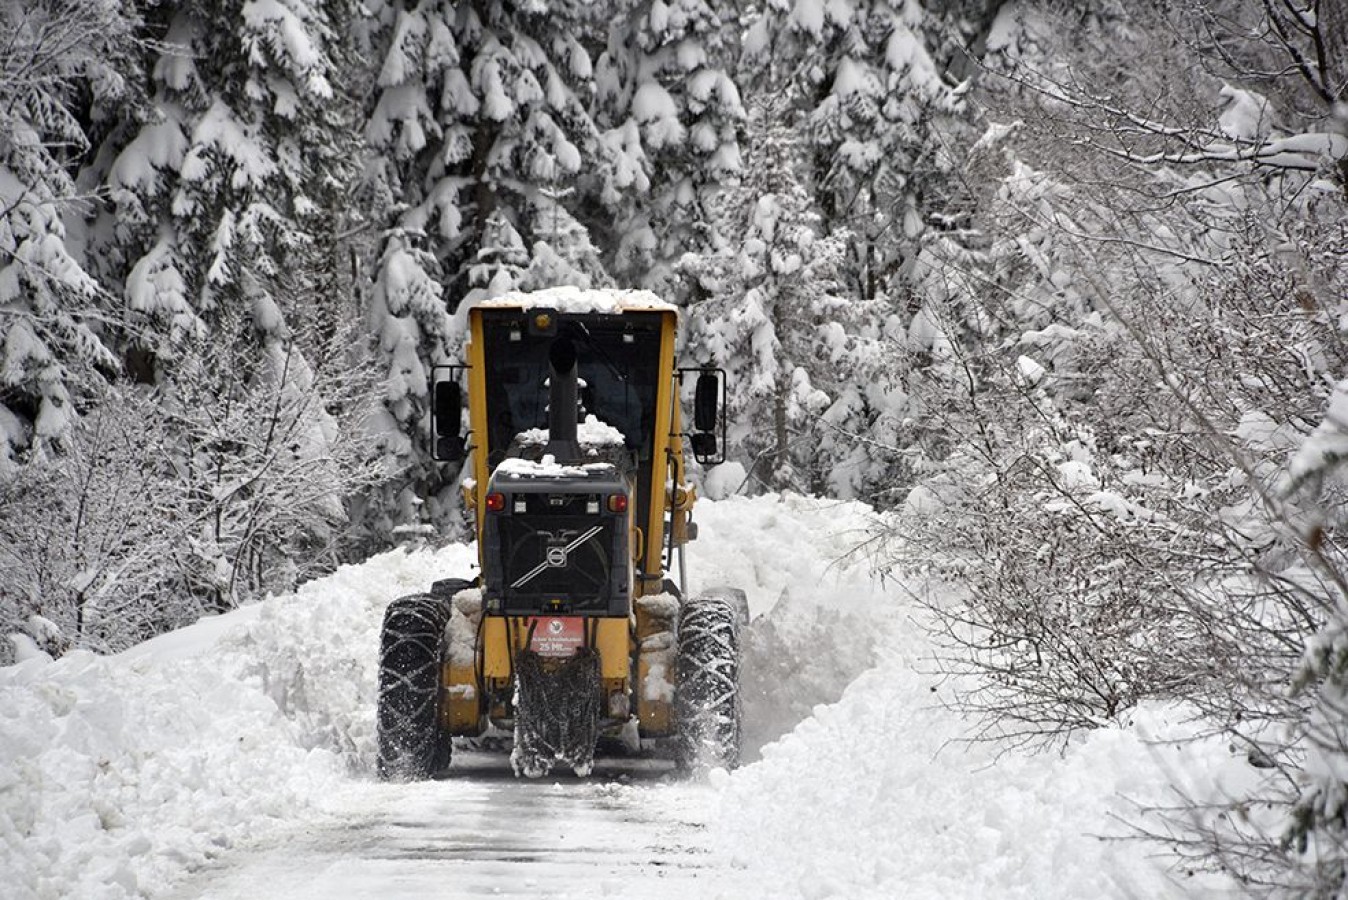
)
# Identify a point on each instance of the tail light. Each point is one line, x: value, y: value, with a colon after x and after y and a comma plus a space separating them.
x: 617, y: 503
x: 496, y: 502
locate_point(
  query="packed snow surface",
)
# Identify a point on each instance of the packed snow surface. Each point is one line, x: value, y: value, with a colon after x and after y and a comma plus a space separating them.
x: 244, y: 743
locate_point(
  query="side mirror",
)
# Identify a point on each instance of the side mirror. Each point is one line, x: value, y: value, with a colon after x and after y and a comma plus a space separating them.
x: 709, y: 395
x: 447, y: 431
x: 705, y: 448
x: 706, y: 402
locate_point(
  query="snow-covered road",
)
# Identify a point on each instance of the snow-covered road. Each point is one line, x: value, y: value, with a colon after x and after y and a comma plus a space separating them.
x: 234, y: 760
x: 630, y: 830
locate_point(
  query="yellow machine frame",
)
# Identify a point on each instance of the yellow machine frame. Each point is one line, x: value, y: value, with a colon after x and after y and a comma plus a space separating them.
x: 644, y: 642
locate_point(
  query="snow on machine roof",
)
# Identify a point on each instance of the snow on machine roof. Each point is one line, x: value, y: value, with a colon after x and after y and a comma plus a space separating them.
x: 568, y: 299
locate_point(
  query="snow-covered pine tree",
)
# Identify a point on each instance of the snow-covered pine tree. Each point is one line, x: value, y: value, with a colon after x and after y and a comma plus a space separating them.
x: 564, y: 252
x: 878, y: 120
x: 228, y: 201
x: 482, y: 130
x: 673, y: 123
x: 483, y: 110
x: 413, y: 331
x: 879, y: 112
x: 1315, y: 840
x: 233, y: 190
x: 60, y: 61
x: 774, y: 318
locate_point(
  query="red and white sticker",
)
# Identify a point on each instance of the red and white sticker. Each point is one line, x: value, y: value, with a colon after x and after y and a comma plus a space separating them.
x: 560, y: 636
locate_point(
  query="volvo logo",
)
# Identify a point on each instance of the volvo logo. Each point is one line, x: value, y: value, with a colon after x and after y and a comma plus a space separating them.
x: 556, y: 557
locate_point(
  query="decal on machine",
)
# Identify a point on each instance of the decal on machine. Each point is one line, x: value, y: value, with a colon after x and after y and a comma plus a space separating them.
x: 558, y: 636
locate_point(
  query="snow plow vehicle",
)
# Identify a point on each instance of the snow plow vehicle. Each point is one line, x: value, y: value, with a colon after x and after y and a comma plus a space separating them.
x: 573, y: 631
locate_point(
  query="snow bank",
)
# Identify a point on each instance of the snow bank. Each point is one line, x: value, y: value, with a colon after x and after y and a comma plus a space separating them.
x: 879, y: 794
x: 817, y: 615
x: 777, y: 544
x: 891, y: 801
x: 118, y: 774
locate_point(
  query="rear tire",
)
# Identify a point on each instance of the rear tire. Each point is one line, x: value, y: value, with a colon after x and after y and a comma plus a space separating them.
x: 412, y: 745
x: 706, y: 693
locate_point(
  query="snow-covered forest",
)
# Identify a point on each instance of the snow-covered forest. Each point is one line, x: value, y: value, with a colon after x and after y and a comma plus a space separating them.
x: 1060, y: 286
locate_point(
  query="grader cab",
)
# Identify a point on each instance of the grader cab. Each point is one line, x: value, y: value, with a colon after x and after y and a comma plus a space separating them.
x: 574, y: 630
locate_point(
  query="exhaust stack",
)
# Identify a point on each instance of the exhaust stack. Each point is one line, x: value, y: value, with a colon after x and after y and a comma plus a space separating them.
x: 563, y: 405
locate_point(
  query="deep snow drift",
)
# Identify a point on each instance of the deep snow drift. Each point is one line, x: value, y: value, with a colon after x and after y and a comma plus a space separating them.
x: 121, y: 775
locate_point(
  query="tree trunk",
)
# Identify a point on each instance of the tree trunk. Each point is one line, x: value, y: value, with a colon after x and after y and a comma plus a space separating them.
x: 783, y: 454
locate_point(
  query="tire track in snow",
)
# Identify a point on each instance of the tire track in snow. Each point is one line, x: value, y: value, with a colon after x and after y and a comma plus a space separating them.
x: 629, y: 831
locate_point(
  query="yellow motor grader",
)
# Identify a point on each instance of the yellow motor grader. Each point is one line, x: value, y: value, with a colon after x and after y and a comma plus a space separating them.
x: 574, y: 630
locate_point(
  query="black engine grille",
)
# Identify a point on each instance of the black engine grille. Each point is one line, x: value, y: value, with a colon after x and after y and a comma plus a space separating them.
x: 557, y: 562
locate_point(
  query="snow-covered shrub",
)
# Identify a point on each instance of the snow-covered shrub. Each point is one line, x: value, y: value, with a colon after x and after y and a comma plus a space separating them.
x: 270, y: 449
x: 1060, y: 554
x: 1157, y: 328
x: 1118, y: 514
x: 228, y: 481
x: 84, y: 560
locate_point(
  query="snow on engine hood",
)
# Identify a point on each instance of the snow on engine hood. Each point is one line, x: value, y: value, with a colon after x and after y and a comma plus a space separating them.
x: 548, y: 467
x: 590, y: 433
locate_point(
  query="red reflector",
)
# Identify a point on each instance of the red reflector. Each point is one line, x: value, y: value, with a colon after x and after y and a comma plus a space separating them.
x: 496, y: 502
x: 617, y: 503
